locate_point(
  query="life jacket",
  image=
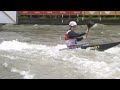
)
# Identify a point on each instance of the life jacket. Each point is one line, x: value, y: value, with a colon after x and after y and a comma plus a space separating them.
x: 69, y: 41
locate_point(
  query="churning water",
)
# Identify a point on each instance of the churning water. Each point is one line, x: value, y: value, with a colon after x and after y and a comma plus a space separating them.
x: 32, y: 52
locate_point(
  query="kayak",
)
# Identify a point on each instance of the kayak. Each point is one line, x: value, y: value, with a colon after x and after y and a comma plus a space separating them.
x: 95, y: 46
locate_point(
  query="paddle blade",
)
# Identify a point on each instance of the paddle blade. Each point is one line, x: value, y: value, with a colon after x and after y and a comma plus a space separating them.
x: 90, y: 24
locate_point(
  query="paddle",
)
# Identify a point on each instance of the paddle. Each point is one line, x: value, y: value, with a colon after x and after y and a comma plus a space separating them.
x: 89, y: 25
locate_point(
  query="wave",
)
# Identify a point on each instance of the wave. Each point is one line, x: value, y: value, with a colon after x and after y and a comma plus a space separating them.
x: 91, y: 64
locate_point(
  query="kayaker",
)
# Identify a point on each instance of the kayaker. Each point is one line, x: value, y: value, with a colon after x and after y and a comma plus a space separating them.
x: 71, y: 37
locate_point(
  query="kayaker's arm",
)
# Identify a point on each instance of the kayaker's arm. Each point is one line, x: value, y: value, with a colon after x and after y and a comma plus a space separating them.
x: 80, y: 39
x: 73, y: 34
x: 83, y: 33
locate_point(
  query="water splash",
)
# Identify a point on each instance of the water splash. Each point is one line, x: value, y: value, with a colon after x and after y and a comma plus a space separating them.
x: 5, y: 64
x: 25, y: 74
x: 90, y: 64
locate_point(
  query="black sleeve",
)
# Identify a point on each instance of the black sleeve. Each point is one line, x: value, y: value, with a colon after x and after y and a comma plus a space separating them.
x: 83, y: 33
x: 80, y: 39
x: 73, y: 34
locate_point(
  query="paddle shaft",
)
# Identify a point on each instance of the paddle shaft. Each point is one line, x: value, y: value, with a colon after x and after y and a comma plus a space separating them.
x: 87, y: 32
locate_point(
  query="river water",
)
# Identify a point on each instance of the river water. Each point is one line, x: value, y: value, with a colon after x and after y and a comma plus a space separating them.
x: 32, y: 52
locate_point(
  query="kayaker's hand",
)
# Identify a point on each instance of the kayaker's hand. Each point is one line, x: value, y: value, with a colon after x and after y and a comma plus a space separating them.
x: 84, y: 37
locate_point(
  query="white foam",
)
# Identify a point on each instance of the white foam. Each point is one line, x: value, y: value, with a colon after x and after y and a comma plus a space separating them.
x: 95, y: 25
x: 25, y: 74
x: 35, y: 25
x: 13, y: 45
x: 59, y: 46
x: 19, y: 46
x: 92, y: 64
x: 97, y: 67
x: 5, y: 64
x: 114, y: 50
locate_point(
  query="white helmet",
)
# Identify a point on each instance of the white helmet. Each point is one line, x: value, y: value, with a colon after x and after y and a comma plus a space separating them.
x: 72, y: 23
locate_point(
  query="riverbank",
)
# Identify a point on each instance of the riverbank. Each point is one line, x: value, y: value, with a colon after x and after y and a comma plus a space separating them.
x: 64, y: 21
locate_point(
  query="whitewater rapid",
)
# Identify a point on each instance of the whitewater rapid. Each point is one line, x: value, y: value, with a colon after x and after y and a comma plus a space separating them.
x: 43, y: 61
